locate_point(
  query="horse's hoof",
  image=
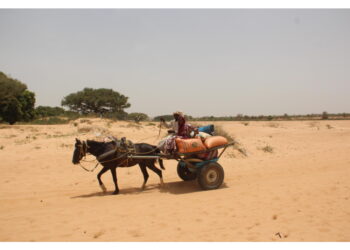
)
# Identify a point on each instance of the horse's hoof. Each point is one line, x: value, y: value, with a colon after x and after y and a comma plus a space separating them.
x: 143, y: 187
x: 161, y: 182
x: 104, y: 189
x: 116, y: 192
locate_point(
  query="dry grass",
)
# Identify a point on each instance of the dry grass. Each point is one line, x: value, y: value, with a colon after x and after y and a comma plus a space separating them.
x: 267, y: 149
x: 221, y: 132
x: 109, y: 124
x: 63, y: 145
x: 133, y: 125
x: 314, y: 125
x: 273, y: 125
x: 237, y: 146
x: 329, y: 126
x: 85, y: 121
x: 9, y: 136
x: 4, y: 126
x: 84, y: 130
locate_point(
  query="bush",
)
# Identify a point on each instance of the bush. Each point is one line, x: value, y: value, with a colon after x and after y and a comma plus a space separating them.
x: 46, y: 111
x: 48, y: 121
x: 137, y: 117
x: 16, y: 102
x: 324, y: 115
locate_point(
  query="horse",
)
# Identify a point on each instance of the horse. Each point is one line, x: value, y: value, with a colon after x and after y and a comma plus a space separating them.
x: 118, y: 158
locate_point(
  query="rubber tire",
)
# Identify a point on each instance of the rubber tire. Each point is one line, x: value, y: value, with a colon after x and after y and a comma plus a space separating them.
x: 185, y: 174
x: 213, y: 171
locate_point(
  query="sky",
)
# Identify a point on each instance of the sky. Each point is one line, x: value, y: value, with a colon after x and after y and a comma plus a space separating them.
x: 218, y: 62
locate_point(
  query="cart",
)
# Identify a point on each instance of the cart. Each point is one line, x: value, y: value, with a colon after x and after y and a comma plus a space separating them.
x: 209, y: 173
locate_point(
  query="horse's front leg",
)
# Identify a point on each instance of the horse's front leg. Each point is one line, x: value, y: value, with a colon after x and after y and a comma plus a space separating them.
x: 102, y: 186
x: 114, y: 174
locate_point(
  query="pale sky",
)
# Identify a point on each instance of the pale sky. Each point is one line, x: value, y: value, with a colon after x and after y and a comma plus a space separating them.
x: 202, y: 62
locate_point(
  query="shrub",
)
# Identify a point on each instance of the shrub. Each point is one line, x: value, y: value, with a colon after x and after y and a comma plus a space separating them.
x: 267, y: 149
x: 324, y: 115
x: 48, y: 121
x: 85, y: 129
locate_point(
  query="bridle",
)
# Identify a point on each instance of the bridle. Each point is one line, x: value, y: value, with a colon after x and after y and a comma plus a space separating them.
x: 82, y: 150
x: 82, y: 154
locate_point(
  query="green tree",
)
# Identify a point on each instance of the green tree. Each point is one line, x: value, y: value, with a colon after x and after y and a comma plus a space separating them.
x: 98, y: 101
x: 137, y: 117
x: 46, y: 111
x: 16, y: 102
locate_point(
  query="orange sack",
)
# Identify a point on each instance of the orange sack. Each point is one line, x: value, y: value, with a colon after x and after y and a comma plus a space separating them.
x: 189, y: 145
x: 214, y: 141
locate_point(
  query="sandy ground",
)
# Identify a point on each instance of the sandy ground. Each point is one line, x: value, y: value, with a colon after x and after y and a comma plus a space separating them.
x: 298, y: 192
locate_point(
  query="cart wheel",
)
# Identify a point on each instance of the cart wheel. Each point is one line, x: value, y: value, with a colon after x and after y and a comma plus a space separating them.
x: 184, y: 173
x: 211, y: 176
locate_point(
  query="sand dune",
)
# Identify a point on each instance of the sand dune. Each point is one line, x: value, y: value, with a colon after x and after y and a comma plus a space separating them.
x: 293, y: 185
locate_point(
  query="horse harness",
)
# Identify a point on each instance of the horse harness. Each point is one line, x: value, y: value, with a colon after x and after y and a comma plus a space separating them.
x: 123, y: 147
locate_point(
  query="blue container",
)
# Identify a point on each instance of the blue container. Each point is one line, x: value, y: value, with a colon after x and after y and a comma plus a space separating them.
x: 209, y: 129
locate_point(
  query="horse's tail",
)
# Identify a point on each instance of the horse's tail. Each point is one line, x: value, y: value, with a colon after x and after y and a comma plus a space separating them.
x: 160, y: 161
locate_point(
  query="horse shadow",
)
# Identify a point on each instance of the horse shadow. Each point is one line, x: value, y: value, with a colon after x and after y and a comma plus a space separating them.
x: 175, y: 187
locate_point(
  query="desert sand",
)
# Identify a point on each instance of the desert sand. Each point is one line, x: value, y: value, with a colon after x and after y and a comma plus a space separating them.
x: 297, y: 189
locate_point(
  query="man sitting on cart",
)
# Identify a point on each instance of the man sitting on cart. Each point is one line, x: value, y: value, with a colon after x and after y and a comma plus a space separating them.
x: 177, y: 128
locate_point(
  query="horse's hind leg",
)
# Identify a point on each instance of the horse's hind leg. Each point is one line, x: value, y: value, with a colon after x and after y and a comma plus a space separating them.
x: 151, y: 166
x: 103, y: 170
x: 145, y: 174
x: 114, y: 174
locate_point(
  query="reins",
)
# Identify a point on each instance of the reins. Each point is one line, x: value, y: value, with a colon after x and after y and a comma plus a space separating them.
x: 88, y: 170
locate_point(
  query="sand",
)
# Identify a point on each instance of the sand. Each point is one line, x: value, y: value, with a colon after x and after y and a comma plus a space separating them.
x: 297, y: 189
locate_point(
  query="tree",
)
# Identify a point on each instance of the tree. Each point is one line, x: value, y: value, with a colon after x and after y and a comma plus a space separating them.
x: 98, y: 101
x: 45, y: 111
x: 324, y: 115
x: 137, y: 117
x: 16, y: 102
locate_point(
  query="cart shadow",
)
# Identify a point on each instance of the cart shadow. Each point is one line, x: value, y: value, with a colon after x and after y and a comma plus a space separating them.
x: 184, y: 187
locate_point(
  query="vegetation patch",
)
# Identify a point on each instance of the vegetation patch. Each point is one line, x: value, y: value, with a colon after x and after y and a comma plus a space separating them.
x: 273, y: 125
x: 133, y: 125
x: 84, y: 130
x: 48, y: 121
x: 151, y: 124
x: 329, y: 126
x: 85, y: 121
x: 60, y: 135
x: 267, y: 149
x: 5, y: 126
x: 219, y: 131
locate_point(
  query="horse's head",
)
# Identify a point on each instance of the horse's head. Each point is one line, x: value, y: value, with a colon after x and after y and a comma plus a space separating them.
x: 79, y: 151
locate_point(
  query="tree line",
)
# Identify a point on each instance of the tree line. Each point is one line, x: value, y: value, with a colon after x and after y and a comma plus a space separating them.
x: 17, y: 104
